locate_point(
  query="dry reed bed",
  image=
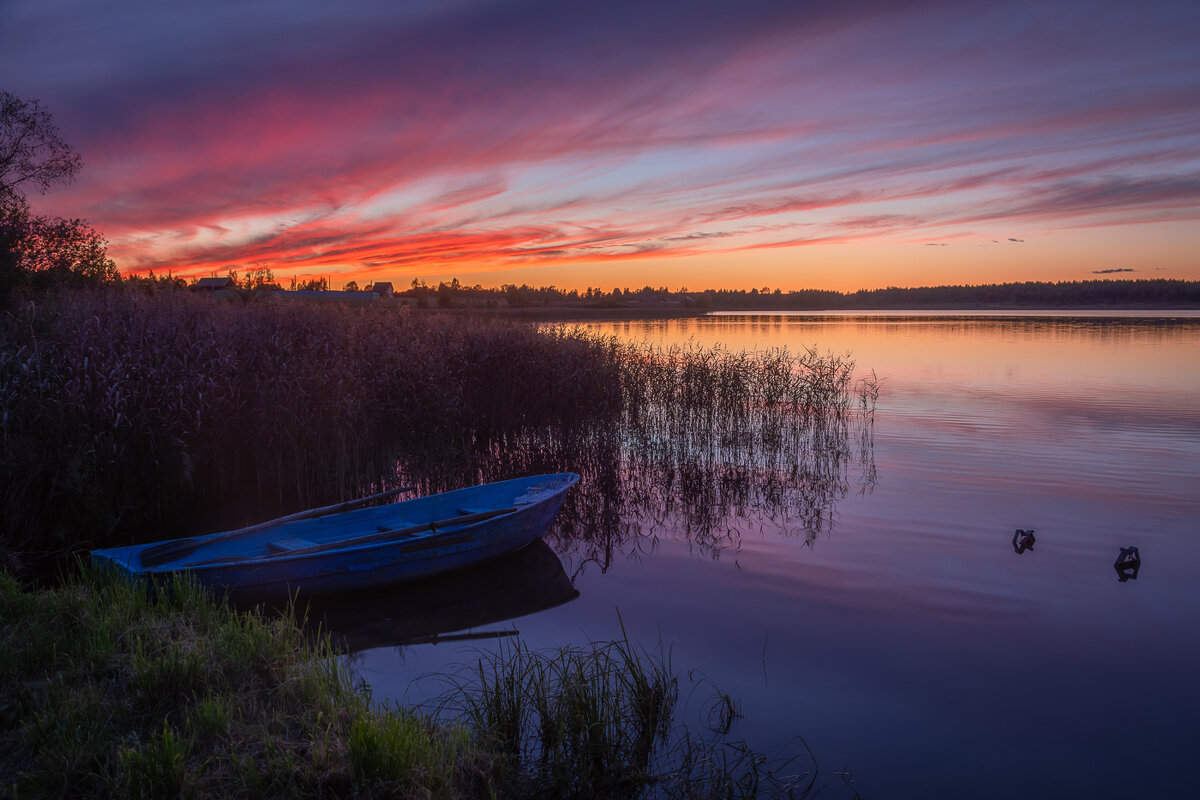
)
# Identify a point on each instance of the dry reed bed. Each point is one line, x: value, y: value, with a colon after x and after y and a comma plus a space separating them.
x: 122, y: 413
x: 129, y: 416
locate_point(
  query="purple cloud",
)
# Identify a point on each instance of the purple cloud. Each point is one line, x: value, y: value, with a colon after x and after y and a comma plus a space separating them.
x: 482, y: 133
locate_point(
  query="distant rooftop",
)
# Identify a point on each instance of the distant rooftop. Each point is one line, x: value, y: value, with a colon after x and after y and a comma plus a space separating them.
x: 214, y: 283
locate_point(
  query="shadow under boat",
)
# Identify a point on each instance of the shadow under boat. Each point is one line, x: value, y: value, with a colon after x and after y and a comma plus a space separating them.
x: 435, y: 609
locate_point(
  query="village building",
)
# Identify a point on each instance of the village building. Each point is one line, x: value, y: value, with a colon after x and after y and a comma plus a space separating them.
x: 213, y: 285
x: 382, y: 288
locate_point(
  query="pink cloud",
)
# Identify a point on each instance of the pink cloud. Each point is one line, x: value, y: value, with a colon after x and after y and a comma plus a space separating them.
x: 476, y: 136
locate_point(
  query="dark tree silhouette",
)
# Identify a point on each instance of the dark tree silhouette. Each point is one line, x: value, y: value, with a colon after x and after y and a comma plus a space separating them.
x: 31, y: 152
x: 53, y: 249
x: 40, y: 250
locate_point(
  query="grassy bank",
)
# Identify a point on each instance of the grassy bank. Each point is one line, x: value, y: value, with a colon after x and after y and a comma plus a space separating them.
x: 110, y: 692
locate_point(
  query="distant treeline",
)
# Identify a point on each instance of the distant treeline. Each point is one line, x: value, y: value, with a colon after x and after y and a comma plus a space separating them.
x: 1029, y: 294
x: 1160, y: 292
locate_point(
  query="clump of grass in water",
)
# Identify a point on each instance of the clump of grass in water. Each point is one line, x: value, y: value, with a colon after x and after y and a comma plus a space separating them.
x: 598, y: 721
x: 577, y: 722
x: 868, y: 388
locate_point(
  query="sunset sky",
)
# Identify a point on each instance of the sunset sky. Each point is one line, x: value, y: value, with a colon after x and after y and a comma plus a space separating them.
x: 836, y: 145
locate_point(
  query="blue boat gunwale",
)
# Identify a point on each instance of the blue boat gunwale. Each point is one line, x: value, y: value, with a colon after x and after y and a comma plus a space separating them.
x: 284, y: 556
x: 346, y: 524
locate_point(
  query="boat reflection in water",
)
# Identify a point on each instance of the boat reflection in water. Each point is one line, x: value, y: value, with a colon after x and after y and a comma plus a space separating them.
x: 440, y: 608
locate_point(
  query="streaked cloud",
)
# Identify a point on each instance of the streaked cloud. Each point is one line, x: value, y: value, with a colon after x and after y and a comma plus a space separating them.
x: 438, y: 138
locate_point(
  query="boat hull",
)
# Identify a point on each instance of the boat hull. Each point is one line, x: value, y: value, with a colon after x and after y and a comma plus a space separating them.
x: 249, y: 569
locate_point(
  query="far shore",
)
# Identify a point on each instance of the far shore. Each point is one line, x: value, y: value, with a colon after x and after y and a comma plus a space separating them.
x: 572, y: 313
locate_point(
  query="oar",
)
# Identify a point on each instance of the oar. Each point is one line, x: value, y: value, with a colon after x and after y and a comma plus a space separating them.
x: 457, y: 637
x: 465, y: 519
x: 170, y: 551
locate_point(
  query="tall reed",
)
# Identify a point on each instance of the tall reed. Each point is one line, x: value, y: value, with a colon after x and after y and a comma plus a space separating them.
x: 126, y: 417
x: 123, y: 415
x: 709, y: 443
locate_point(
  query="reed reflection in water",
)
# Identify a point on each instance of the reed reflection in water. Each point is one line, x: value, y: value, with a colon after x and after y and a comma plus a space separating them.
x: 709, y: 444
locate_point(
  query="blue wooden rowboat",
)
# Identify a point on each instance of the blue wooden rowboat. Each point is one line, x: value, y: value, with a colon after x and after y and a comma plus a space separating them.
x: 355, y: 549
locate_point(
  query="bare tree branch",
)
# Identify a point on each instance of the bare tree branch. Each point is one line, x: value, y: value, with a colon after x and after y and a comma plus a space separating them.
x: 31, y: 152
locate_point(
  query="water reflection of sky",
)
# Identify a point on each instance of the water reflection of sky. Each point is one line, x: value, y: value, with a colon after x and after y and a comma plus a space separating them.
x: 911, y: 642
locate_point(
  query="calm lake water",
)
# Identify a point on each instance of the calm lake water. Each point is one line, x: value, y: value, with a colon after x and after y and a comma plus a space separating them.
x: 907, y: 640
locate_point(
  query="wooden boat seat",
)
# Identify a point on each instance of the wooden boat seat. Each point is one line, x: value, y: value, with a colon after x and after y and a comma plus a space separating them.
x: 290, y: 544
x: 475, y: 510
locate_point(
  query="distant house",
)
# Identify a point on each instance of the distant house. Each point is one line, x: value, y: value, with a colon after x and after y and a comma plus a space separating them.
x: 213, y: 284
x: 382, y: 288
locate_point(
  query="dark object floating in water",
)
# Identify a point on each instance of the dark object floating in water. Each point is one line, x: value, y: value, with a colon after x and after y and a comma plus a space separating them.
x: 365, y: 547
x: 1023, y: 540
x: 1127, y: 564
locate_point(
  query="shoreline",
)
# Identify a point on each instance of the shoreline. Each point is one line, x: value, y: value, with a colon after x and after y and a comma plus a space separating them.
x: 593, y: 314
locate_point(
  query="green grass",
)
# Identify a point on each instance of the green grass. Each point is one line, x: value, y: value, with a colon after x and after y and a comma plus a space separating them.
x: 110, y: 692
x: 578, y: 721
